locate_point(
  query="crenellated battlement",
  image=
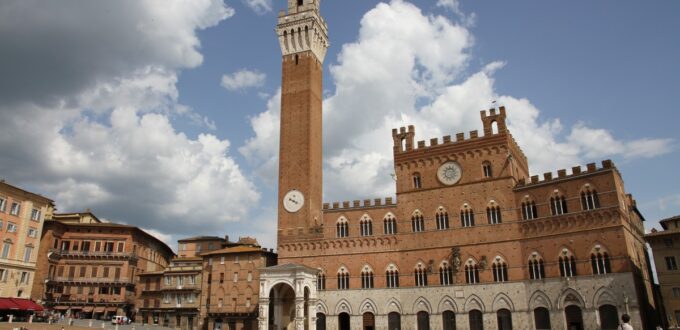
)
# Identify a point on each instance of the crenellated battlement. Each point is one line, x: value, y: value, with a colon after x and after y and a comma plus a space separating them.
x: 493, y: 122
x: 562, y: 174
x: 358, y: 204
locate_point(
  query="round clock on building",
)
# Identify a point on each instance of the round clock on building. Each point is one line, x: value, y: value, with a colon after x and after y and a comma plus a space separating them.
x: 293, y: 201
x: 449, y: 173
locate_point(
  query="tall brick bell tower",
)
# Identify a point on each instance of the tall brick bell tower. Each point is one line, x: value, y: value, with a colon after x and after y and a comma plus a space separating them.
x: 303, y: 37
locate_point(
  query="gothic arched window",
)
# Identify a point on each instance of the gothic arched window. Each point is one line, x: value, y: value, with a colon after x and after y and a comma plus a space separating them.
x: 500, y: 270
x: 417, y: 222
x: 589, y: 198
x: 421, y: 275
x: 467, y: 216
x: 390, y: 224
x: 366, y: 224
x: 342, y: 229
x: 442, y: 218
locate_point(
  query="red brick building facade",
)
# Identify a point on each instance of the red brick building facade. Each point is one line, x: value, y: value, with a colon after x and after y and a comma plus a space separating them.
x: 90, y: 268
x: 472, y: 241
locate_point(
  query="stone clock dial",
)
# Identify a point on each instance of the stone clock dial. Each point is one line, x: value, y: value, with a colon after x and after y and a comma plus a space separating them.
x: 293, y: 201
x: 449, y: 173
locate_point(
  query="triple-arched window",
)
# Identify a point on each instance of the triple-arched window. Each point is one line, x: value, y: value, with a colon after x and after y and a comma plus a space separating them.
x: 529, y: 210
x: 558, y: 204
x: 493, y: 213
x: 367, y: 277
x: 442, y: 218
x: 390, y: 224
x: 420, y: 275
x: 467, y: 216
x: 445, y: 274
x: 536, y: 267
x: 471, y: 272
x: 342, y: 227
x: 392, y: 276
x: 589, y: 198
x: 500, y: 270
x: 366, y: 224
x: 599, y: 260
x: 343, y: 279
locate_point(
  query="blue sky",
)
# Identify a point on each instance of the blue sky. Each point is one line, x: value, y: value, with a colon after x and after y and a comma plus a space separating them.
x: 121, y: 106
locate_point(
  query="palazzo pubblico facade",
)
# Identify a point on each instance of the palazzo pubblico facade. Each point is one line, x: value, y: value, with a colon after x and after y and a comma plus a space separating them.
x: 472, y: 241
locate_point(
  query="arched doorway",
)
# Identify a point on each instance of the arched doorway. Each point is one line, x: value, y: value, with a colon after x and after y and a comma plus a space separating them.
x: 573, y: 317
x: 449, y: 320
x: 609, y: 317
x: 394, y: 321
x: 281, y: 307
x: 504, y: 319
x: 542, y: 318
x: 320, y: 321
x: 476, y: 321
x: 218, y: 324
x: 369, y: 321
x: 423, y: 321
x: 343, y: 321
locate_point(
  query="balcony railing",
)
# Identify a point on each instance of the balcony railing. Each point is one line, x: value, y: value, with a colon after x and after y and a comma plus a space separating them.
x: 120, y: 280
x: 102, y: 254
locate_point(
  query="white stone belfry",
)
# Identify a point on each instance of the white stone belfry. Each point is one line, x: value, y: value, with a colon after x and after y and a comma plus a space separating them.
x: 288, y: 298
x: 303, y: 29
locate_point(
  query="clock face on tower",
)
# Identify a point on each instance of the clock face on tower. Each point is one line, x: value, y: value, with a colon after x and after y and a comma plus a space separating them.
x: 449, y: 173
x: 293, y: 201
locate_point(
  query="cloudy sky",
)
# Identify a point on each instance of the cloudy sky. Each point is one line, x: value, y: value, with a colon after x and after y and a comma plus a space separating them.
x: 164, y: 114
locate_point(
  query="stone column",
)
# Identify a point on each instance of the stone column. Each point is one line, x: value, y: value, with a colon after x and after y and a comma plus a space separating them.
x: 311, y: 306
x: 263, y: 318
x: 300, y: 313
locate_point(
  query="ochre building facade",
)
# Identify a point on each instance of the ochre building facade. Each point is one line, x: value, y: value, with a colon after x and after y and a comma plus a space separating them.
x: 472, y: 241
x: 22, y: 214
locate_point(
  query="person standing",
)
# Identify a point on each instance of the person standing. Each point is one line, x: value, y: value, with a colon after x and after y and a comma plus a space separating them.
x: 625, y: 325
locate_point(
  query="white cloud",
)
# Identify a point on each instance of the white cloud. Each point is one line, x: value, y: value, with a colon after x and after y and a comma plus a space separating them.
x: 403, y: 59
x: 243, y: 79
x: 259, y: 6
x: 98, y: 133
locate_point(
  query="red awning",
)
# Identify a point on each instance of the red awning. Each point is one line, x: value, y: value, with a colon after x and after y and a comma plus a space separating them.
x: 6, y: 303
x: 27, y: 304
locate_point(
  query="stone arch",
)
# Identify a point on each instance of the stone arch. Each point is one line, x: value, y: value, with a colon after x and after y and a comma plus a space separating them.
x: 570, y: 297
x: 604, y: 296
x: 502, y: 301
x: 422, y: 304
x: 447, y: 304
x: 474, y: 302
x: 539, y: 299
x: 343, y: 306
x: 321, y: 307
x: 368, y: 305
x: 393, y: 305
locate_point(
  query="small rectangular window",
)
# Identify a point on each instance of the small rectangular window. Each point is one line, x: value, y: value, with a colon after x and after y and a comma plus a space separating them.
x: 16, y: 208
x: 235, y: 259
x: 222, y: 260
x: 35, y: 215
x: 668, y: 242
x: 11, y: 227
x: 27, y: 253
x: 676, y: 292
x: 3, y: 204
x: 250, y: 276
x: 235, y: 277
x: 32, y: 232
x: 671, y: 263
